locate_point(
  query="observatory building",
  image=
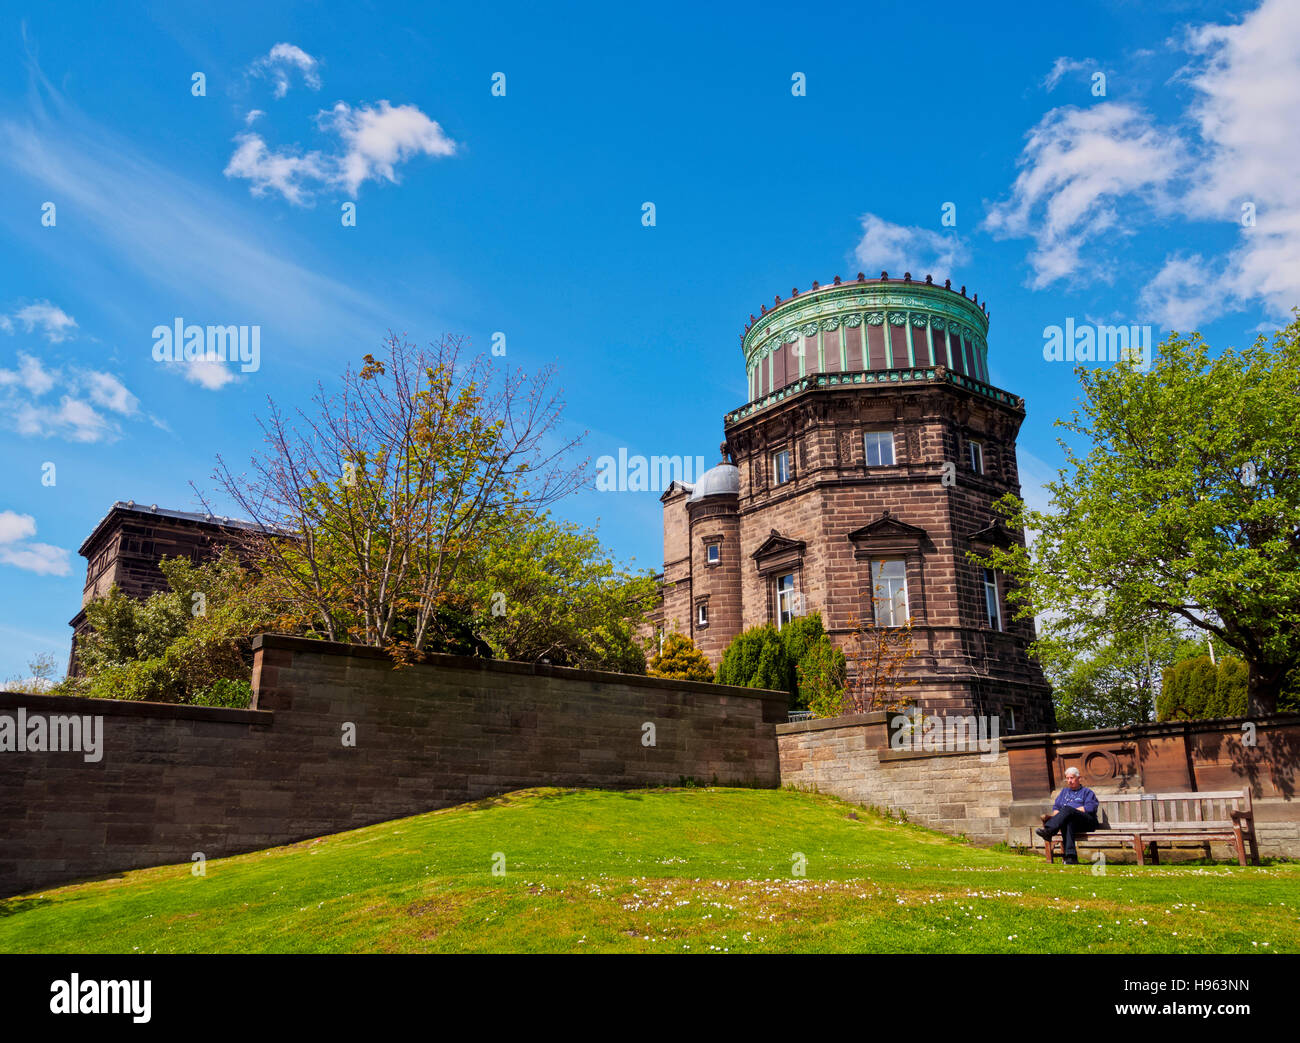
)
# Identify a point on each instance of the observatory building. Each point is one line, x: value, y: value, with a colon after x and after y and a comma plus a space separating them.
x: 853, y: 482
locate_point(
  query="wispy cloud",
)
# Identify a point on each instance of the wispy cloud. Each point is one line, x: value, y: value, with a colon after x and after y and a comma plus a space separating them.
x: 204, y: 251
x: 53, y: 322
x: 1092, y: 177
x: 372, y: 142
x: 280, y: 61
x: 1084, y: 173
x: 18, y: 550
x: 897, y: 249
x: 1063, y: 67
x: 89, y: 409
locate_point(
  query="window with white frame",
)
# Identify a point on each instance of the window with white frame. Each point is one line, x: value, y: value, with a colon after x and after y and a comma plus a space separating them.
x: 781, y: 467
x: 880, y: 448
x: 975, y: 452
x: 713, y: 553
x: 702, y: 614
x: 992, y: 605
x: 889, y: 592
x: 786, y: 599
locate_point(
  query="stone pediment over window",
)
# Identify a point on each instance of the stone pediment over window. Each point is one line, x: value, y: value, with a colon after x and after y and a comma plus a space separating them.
x: 778, y: 552
x: 995, y: 535
x: 887, y: 535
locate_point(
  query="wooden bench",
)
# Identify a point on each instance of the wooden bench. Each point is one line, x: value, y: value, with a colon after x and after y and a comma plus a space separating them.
x: 1143, y: 819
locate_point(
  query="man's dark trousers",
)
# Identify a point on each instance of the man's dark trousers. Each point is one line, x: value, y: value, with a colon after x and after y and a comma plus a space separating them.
x: 1070, y: 823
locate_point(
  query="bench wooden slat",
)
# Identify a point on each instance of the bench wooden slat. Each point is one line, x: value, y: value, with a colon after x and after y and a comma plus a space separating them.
x: 1143, y: 819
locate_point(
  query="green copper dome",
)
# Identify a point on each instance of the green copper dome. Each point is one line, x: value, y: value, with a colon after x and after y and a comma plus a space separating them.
x: 869, y: 325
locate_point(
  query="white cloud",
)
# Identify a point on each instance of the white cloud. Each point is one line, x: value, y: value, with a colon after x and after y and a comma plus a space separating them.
x: 1181, y: 295
x: 141, y: 217
x: 281, y: 172
x: 1084, y: 173
x: 55, y: 324
x: 276, y: 65
x: 897, y: 249
x: 107, y: 391
x: 41, y: 558
x: 75, y: 417
x: 1247, y: 79
x: 377, y: 139
x: 1091, y: 176
x: 1062, y: 67
x: 31, y: 375
x: 15, y: 526
x: 211, y: 375
x: 373, y: 140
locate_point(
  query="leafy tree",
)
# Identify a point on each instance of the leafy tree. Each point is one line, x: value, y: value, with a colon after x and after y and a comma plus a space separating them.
x: 1115, y: 681
x: 765, y: 657
x: 544, y: 589
x: 178, y: 644
x: 1186, y: 506
x: 741, y: 658
x: 41, y: 670
x: 392, y: 484
x: 1198, y: 689
x: 822, y: 673
x: 681, y: 660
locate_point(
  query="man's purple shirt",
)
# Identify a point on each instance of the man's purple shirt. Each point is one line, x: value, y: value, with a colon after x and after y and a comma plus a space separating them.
x: 1082, y: 798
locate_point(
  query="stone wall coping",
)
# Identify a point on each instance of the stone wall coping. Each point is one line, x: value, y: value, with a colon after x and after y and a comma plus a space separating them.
x: 78, y: 705
x: 818, y: 724
x: 1154, y: 729
x: 887, y: 754
x: 287, y: 642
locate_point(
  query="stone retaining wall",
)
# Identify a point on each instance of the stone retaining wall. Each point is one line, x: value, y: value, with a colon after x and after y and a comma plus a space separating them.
x: 999, y: 799
x: 176, y: 780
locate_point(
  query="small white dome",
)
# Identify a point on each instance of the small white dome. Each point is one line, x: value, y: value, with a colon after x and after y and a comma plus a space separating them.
x: 722, y: 480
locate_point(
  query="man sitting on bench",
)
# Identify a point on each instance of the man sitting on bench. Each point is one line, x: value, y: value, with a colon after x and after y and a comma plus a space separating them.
x: 1073, y: 814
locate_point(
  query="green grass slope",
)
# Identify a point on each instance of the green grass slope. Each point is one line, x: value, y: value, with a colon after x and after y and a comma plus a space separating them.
x: 692, y: 870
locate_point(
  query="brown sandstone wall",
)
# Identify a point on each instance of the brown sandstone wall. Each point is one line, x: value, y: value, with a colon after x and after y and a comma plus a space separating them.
x: 177, y: 780
x: 1000, y: 800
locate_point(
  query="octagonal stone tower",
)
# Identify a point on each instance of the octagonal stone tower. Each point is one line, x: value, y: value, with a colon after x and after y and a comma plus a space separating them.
x: 855, y: 480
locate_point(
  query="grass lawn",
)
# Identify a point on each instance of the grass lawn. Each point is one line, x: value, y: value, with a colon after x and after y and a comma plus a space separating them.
x: 671, y: 870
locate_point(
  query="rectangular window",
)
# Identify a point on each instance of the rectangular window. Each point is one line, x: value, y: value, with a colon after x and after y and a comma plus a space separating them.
x: 889, y: 591
x: 702, y: 614
x: 781, y: 467
x: 785, y: 599
x: 992, y: 608
x: 880, y: 448
x: 976, y: 453
x: 713, y: 553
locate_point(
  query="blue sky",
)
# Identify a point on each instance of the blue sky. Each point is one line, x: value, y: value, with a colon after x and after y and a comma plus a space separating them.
x: 522, y: 213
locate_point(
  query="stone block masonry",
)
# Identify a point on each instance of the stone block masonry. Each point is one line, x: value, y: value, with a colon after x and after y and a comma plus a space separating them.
x: 999, y: 799
x: 174, y: 781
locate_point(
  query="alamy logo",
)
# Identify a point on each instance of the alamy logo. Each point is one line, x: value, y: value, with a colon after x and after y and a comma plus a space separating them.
x: 638, y: 475
x: 92, y: 996
x: 181, y: 343
x: 52, y: 733
x: 1088, y: 343
x: 918, y: 731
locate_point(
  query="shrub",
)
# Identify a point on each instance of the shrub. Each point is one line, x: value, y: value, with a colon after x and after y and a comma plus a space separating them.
x: 741, y: 659
x: 764, y: 657
x: 225, y: 692
x: 1196, y: 689
x: 822, y: 674
x: 681, y: 660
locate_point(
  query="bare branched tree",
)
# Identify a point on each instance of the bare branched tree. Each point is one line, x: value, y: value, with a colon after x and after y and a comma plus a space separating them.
x: 368, y: 505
